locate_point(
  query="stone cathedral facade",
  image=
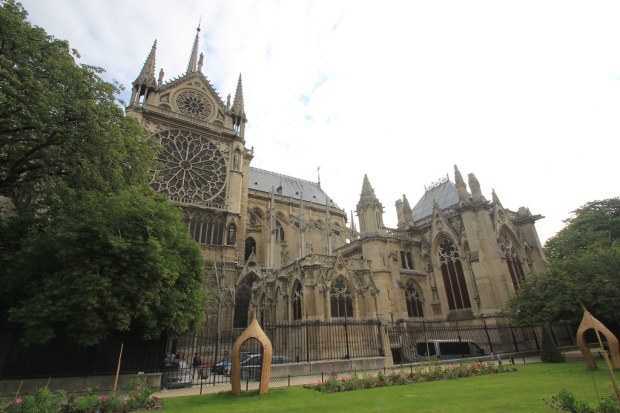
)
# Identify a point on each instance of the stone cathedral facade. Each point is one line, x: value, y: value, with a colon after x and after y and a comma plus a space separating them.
x: 281, y: 246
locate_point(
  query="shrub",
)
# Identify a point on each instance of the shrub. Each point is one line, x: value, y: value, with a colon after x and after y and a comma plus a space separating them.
x: 565, y: 401
x: 43, y: 400
x: 423, y: 373
x: 549, y: 352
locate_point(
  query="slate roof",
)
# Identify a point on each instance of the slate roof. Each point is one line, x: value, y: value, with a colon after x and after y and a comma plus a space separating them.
x: 266, y: 181
x: 445, y: 194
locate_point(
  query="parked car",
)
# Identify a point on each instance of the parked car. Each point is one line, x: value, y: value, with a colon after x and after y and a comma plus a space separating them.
x: 223, y: 366
x: 177, y: 373
x: 448, y: 349
x: 251, y: 367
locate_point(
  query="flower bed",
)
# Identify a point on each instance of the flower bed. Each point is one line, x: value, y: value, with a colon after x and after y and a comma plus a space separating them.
x: 44, y: 400
x: 427, y: 372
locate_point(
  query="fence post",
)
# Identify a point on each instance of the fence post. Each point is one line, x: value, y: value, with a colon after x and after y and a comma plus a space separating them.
x: 486, y: 331
x: 568, y: 333
x: 555, y: 341
x: 514, y: 339
x: 307, y: 342
x: 535, y: 338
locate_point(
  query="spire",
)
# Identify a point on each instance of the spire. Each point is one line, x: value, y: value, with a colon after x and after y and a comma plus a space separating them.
x: 460, y: 185
x: 193, y: 58
x: 147, y: 74
x: 474, y: 185
x: 237, y: 106
x: 369, y: 210
x: 407, y: 211
x: 368, y: 194
x: 353, y: 227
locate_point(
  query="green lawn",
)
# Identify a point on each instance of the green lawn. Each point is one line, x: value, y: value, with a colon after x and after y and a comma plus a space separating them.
x: 520, y: 391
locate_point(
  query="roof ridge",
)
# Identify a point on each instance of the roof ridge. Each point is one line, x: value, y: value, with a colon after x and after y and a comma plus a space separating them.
x: 283, y: 175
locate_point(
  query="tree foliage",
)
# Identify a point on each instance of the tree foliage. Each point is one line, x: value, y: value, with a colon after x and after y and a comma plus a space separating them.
x: 584, y: 266
x: 91, y: 247
x: 60, y: 124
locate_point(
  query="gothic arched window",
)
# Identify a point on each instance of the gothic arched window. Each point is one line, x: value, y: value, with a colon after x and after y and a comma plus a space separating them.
x: 453, y: 277
x: 250, y: 247
x: 298, y: 294
x: 242, y: 301
x: 414, y: 300
x: 512, y: 259
x: 279, y: 233
x: 340, y: 299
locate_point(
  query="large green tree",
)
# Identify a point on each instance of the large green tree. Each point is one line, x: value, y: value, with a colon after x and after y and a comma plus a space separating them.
x: 60, y: 123
x: 90, y: 249
x: 584, y: 260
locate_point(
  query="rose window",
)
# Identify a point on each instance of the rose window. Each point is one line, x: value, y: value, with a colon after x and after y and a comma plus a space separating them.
x: 195, y: 104
x: 192, y: 169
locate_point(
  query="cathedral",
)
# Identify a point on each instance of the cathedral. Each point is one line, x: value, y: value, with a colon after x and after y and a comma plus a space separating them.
x: 282, y: 247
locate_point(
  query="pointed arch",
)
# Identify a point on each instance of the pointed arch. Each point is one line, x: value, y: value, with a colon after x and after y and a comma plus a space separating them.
x: 453, y: 275
x: 279, y: 232
x: 297, y: 295
x: 413, y: 298
x: 250, y: 248
x: 511, y: 253
x: 340, y: 298
x: 243, y: 296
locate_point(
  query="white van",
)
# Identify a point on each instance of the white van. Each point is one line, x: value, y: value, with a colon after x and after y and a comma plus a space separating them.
x: 448, y: 349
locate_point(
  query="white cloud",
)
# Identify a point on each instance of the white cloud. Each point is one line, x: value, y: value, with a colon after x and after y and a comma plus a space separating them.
x: 526, y: 95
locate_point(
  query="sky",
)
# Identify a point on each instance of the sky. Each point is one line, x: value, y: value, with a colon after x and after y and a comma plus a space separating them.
x: 524, y: 94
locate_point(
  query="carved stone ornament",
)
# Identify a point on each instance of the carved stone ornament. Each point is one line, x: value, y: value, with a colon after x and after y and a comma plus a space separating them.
x: 193, y: 169
x: 194, y: 104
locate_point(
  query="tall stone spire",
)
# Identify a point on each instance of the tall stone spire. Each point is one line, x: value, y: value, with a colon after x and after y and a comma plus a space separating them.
x: 368, y: 194
x: 145, y: 82
x: 238, y: 110
x: 192, y: 66
x: 369, y: 210
x: 147, y: 74
x: 238, y: 107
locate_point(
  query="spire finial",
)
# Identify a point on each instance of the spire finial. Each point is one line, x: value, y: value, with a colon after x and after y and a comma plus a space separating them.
x: 147, y: 74
x: 193, y: 58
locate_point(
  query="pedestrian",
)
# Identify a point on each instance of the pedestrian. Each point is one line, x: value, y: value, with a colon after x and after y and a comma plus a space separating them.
x: 196, y: 364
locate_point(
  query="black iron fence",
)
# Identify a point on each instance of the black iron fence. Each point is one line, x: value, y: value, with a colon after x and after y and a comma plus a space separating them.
x: 492, y: 338
x: 64, y: 358
x: 303, y: 341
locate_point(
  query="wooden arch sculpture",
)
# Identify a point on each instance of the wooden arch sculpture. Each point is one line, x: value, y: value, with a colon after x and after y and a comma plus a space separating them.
x: 252, y: 331
x: 588, y: 322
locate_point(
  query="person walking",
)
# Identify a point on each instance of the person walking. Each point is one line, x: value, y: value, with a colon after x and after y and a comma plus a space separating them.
x: 196, y: 364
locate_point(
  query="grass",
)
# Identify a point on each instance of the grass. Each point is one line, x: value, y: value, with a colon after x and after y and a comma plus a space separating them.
x: 520, y: 391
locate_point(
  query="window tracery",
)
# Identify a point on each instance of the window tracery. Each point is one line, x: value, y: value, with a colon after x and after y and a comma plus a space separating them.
x: 194, y: 103
x: 513, y: 260
x: 414, y: 300
x: 453, y: 276
x: 193, y: 169
x: 341, y: 299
